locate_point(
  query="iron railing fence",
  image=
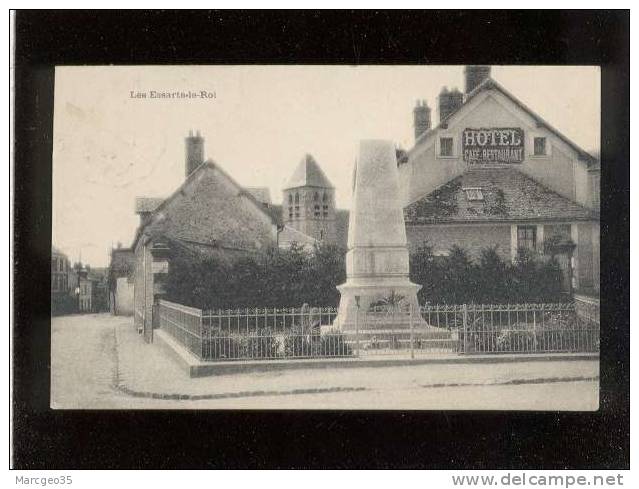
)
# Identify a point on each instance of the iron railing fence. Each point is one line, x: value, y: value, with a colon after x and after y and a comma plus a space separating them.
x: 526, y: 328
x: 269, y: 333
x: 309, y: 332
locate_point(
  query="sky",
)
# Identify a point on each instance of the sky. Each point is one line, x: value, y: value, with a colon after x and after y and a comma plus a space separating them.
x: 110, y: 147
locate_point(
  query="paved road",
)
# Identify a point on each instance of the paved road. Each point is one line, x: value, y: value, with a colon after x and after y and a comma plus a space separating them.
x: 86, y: 355
x: 83, y: 358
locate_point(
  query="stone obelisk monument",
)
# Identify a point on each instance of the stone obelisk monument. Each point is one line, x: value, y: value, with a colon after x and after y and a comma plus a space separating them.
x: 377, y: 258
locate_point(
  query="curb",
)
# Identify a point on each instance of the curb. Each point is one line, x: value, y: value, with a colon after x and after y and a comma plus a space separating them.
x: 541, y: 380
x: 232, y: 395
x: 194, y: 367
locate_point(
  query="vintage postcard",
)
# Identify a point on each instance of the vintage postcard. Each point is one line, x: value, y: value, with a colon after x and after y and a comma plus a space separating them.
x: 326, y: 237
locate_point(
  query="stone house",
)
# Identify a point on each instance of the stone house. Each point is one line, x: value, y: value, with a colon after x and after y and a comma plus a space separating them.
x: 209, y: 214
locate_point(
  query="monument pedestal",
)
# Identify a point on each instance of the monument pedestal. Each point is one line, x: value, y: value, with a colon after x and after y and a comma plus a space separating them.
x: 377, y: 261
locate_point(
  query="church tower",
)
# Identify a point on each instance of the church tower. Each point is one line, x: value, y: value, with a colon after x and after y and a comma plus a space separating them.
x: 309, y: 202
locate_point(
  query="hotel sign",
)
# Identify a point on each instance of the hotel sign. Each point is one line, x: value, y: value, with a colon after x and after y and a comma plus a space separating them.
x: 495, y: 145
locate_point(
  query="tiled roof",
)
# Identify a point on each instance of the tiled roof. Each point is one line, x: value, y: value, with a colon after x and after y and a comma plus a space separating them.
x: 122, y: 260
x: 290, y: 235
x: 201, y: 220
x: 147, y: 204
x: 262, y: 194
x: 508, y: 195
x: 308, y: 174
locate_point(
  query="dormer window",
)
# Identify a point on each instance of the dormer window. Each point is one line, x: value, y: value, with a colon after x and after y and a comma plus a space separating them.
x: 446, y: 146
x: 540, y: 146
x: 474, y: 194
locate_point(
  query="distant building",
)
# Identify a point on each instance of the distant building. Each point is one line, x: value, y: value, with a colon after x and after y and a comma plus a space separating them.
x: 308, y: 214
x: 92, y: 290
x: 61, y: 292
x: 209, y: 214
x: 59, y: 272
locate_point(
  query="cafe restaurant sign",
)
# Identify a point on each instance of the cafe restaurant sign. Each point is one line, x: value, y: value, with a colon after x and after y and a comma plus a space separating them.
x: 495, y: 145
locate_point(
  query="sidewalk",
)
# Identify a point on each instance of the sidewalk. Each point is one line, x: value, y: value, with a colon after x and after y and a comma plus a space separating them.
x: 145, y: 370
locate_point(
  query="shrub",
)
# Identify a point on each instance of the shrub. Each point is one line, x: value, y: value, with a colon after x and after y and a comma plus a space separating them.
x: 456, y: 279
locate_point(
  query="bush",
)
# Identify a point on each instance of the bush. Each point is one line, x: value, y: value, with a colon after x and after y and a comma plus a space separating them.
x: 274, y: 279
x: 456, y: 279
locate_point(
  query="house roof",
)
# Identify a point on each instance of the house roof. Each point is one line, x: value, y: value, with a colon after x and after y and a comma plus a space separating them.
x: 206, y: 166
x: 308, y: 174
x: 122, y: 260
x: 508, y: 195
x: 263, y: 194
x: 290, y: 235
x: 147, y: 204
x: 490, y: 84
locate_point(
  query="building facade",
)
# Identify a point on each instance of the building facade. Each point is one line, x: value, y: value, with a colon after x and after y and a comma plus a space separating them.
x: 61, y: 283
x: 60, y: 270
x: 492, y: 173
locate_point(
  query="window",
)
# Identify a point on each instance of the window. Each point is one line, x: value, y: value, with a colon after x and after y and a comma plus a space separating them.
x: 317, y: 210
x: 446, y: 146
x: 315, y: 196
x: 325, y: 197
x: 539, y: 144
x: 290, y: 213
x: 526, y: 237
x: 297, y: 198
x: 474, y: 194
x: 290, y: 198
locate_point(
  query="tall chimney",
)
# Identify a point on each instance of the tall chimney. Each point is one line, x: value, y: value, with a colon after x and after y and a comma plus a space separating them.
x: 449, y: 102
x: 194, y: 152
x: 474, y: 75
x: 421, y: 118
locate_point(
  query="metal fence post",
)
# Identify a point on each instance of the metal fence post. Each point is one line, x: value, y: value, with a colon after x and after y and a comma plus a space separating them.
x: 464, y: 328
x: 357, y: 326
x: 535, y: 331
x: 410, y: 322
x: 201, y: 337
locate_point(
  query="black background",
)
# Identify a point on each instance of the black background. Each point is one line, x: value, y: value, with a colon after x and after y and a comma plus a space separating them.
x: 46, y: 439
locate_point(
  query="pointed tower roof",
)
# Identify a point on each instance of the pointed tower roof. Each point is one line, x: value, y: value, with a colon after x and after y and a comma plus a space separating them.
x: 308, y: 174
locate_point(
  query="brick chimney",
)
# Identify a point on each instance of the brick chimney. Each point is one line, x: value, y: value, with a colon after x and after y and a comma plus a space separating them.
x: 421, y: 118
x: 449, y: 102
x: 474, y: 75
x: 194, y: 152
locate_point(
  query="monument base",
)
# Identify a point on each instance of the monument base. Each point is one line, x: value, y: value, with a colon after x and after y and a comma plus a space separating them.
x: 368, y: 294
